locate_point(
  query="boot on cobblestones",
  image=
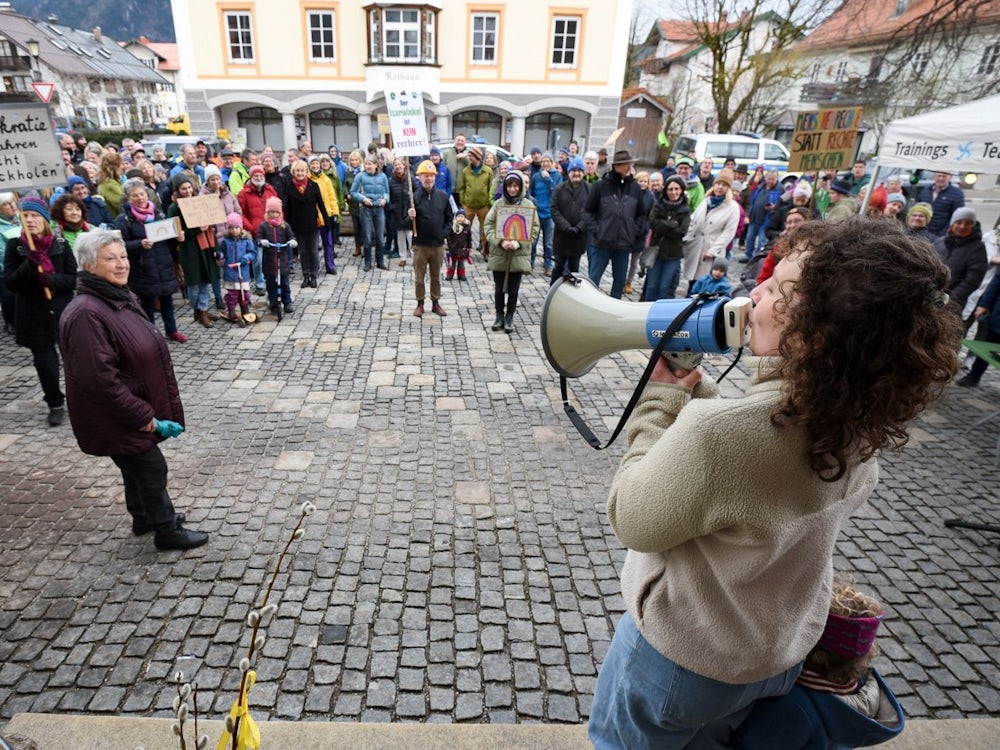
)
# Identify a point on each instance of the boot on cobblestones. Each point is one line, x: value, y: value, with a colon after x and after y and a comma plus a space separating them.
x: 419, y: 309
x: 201, y: 316
x: 179, y: 538
x: 508, y: 324
x: 498, y: 323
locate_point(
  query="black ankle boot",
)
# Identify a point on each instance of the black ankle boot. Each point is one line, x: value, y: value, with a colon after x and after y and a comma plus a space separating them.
x: 498, y: 323
x: 508, y: 324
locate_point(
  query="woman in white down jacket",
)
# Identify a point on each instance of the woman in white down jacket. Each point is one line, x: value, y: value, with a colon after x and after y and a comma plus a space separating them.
x: 713, y: 227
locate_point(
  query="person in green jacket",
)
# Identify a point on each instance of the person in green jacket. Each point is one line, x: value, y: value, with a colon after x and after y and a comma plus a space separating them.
x: 474, y: 191
x: 69, y: 217
x: 509, y: 257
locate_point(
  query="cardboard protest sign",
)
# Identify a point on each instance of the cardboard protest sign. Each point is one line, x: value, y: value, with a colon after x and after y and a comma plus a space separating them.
x: 30, y: 157
x: 407, y: 122
x: 202, y: 210
x: 824, y: 139
x: 166, y: 229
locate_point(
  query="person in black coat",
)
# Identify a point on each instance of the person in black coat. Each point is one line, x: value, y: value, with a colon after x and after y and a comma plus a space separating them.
x: 152, y: 277
x: 569, y: 201
x: 963, y: 251
x: 305, y: 214
x: 42, y: 280
x: 669, y: 219
x: 402, y: 185
x: 122, y: 393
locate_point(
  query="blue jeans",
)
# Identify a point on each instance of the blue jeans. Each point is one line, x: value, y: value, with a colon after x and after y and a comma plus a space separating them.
x: 755, y: 236
x: 373, y: 224
x: 199, y: 295
x: 548, y: 228
x: 598, y: 259
x: 662, y: 279
x: 643, y: 700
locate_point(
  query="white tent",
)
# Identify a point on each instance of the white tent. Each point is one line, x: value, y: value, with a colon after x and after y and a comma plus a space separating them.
x: 965, y: 138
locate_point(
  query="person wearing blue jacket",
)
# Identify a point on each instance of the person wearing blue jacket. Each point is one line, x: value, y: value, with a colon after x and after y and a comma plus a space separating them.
x: 839, y: 700
x: 236, y: 252
x: 713, y: 282
x: 763, y: 201
x: 444, y: 180
x: 987, y: 312
x: 546, y: 179
x: 370, y: 190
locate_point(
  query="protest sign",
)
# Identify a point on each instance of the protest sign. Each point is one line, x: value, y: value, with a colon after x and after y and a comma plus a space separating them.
x: 30, y: 157
x: 514, y: 222
x: 166, y: 229
x: 407, y: 122
x: 824, y: 139
x: 202, y: 210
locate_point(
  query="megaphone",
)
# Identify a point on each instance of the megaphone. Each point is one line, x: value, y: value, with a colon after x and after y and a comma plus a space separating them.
x: 581, y: 324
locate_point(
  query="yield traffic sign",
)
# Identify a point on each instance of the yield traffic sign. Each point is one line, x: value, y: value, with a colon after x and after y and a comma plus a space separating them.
x: 44, y: 90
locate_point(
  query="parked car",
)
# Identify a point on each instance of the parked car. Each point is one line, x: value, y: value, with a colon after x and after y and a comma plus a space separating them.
x: 748, y: 150
x: 501, y: 153
x: 62, y: 125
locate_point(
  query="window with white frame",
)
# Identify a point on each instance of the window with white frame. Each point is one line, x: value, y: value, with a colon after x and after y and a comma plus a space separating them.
x: 239, y: 38
x: 988, y: 64
x: 919, y: 62
x: 565, y: 39
x: 402, y: 35
x: 484, y: 38
x: 321, y: 36
x: 814, y: 72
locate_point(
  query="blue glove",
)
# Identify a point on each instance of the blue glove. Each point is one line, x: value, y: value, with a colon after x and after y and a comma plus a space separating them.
x: 166, y: 428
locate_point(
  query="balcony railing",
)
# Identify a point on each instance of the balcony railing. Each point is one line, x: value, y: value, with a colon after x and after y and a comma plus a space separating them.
x: 14, y: 62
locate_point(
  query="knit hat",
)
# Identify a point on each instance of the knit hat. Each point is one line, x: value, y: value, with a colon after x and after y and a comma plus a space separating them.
x: 803, y: 188
x: 212, y: 170
x: 841, y: 186
x: 256, y: 169
x: 179, y: 179
x: 476, y: 151
x: 896, y: 198
x: 849, y: 637
x: 36, y: 204
x: 922, y: 208
x: 313, y: 158
x: 963, y: 213
x: 684, y: 161
x: 535, y: 150
x: 75, y: 180
x: 575, y: 163
x: 726, y: 177
x: 435, y: 150
x: 272, y: 204
x: 720, y: 264
x: 235, y: 220
x: 547, y: 155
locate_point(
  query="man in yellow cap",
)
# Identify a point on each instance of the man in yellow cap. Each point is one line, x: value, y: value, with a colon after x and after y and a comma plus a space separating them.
x: 432, y: 214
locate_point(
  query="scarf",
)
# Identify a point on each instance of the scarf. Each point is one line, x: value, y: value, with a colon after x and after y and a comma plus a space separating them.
x: 144, y: 215
x: 87, y: 280
x: 714, y: 201
x: 300, y: 185
x: 43, y: 245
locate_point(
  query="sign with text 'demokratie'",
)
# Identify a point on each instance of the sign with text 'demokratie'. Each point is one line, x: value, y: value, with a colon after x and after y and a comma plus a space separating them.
x: 29, y: 153
x: 824, y: 139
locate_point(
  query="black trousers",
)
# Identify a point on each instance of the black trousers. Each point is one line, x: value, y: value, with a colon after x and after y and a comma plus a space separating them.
x: 146, y: 496
x: 513, y: 287
x: 47, y: 367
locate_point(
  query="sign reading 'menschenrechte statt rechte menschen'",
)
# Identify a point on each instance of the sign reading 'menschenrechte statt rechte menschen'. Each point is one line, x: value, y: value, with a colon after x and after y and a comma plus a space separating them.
x: 29, y: 154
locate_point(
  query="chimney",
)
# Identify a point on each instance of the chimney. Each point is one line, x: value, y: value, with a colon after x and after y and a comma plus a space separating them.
x: 144, y: 39
x: 97, y: 33
x: 6, y: 8
x: 53, y: 18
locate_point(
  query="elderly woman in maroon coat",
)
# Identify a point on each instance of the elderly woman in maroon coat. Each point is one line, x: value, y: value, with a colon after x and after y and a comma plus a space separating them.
x: 121, y: 391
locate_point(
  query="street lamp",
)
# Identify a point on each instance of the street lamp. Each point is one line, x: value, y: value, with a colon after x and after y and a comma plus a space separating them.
x: 36, y: 73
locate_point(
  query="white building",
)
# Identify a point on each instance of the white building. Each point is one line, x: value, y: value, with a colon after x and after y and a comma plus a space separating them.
x: 162, y: 57
x: 95, y: 79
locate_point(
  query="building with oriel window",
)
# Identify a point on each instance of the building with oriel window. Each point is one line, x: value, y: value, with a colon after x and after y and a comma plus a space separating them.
x: 516, y: 74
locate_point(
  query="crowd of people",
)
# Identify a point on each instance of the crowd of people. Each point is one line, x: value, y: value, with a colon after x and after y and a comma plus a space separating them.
x: 712, y: 566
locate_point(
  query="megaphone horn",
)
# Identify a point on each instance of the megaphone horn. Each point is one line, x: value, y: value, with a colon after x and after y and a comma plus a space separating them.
x: 580, y: 325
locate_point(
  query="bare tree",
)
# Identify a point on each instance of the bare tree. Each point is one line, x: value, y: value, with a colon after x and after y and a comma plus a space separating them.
x: 751, y: 49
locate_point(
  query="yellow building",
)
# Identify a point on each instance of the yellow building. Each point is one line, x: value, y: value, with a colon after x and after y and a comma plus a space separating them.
x: 518, y: 73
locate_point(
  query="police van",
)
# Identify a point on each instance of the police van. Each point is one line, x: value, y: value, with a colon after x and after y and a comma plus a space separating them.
x: 748, y: 150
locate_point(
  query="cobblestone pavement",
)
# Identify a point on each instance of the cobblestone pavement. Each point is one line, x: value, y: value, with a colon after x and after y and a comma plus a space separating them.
x: 459, y: 567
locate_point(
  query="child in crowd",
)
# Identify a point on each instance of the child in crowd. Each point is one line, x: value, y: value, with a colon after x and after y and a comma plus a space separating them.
x: 839, y: 700
x: 237, y: 252
x: 459, y: 244
x: 714, y: 281
x: 274, y: 231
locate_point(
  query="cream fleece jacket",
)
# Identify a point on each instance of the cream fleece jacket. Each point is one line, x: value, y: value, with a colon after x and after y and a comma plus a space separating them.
x: 730, y: 533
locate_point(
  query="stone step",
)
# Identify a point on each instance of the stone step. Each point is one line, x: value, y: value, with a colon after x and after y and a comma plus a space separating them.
x: 71, y: 732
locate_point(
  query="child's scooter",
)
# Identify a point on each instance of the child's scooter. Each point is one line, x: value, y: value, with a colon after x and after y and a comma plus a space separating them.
x: 279, y: 306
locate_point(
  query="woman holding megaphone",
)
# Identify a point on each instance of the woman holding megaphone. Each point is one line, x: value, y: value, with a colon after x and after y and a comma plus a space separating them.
x: 730, y: 508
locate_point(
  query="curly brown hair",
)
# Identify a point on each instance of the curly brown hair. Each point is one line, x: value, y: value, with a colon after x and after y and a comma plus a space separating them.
x: 868, y: 340
x: 59, y: 208
x: 846, y: 601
